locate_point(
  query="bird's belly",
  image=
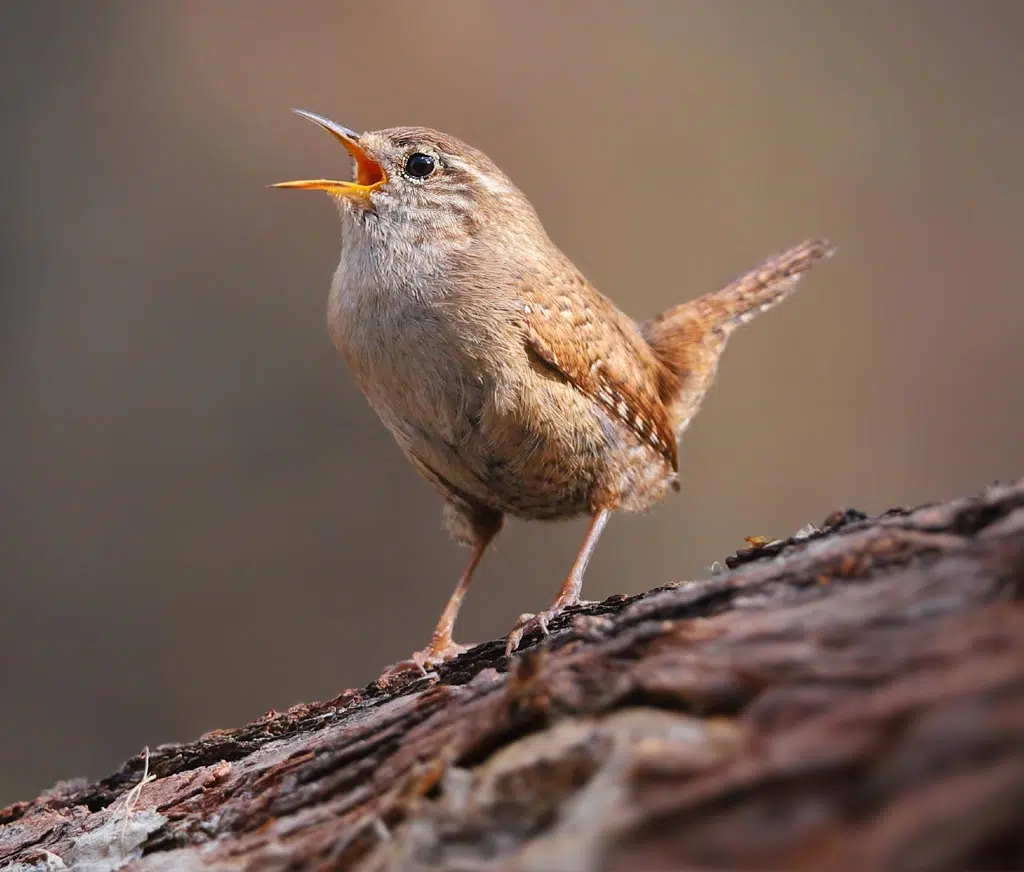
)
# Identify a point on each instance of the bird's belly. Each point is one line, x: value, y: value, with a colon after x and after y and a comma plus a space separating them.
x: 539, y: 455
x: 574, y: 467
x: 520, y: 471
x: 535, y: 449
x: 551, y: 457
x: 474, y: 448
x: 529, y: 477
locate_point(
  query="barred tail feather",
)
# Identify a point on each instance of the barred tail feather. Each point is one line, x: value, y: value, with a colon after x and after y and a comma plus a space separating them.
x: 689, y: 339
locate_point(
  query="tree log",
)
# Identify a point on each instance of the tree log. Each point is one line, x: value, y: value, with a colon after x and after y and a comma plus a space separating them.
x: 849, y: 699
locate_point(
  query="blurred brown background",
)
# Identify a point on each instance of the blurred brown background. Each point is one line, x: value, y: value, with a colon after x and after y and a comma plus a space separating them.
x: 203, y: 520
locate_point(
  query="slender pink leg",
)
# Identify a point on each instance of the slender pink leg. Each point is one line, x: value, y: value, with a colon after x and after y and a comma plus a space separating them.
x: 569, y: 595
x: 442, y: 646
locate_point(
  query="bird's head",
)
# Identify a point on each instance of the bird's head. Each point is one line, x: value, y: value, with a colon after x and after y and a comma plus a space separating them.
x: 420, y: 187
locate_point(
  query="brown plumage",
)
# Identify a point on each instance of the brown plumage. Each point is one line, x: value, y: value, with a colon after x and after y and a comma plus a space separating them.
x: 512, y: 385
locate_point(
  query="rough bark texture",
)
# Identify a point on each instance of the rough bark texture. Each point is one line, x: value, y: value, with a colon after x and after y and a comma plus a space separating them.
x: 852, y: 698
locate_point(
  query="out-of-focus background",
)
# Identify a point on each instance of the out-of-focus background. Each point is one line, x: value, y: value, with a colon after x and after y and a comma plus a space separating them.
x: 203, y: 520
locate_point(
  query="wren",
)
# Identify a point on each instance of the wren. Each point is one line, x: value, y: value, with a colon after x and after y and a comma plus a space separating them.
x: 510, y: 383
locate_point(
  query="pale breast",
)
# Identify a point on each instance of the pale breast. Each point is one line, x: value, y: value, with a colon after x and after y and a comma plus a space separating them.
x: 454, y: 383
x: 415, y: 371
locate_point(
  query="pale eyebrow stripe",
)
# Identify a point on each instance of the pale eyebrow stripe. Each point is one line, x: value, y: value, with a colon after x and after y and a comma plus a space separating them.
x: 492, y: 184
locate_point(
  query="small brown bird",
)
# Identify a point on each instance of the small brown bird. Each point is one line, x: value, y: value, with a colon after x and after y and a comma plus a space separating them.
x: 512, y: 385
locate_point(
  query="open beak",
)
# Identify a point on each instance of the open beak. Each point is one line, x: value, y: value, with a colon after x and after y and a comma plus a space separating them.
x: 370, y: 175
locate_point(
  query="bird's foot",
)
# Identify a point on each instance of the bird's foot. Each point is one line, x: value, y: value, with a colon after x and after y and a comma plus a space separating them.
x: 423, y: 662
x: 528, y: 622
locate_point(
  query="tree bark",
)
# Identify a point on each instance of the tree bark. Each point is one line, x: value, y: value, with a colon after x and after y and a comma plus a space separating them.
x: 849, y: 699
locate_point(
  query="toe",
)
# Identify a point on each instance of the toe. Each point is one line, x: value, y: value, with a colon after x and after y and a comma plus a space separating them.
x: 513, y: 640
x: 424, y: 661
x: 527, y: 623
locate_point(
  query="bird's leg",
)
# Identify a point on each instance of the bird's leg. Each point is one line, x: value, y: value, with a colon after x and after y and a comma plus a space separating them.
x: 569, y: 595
x: 443, y: 647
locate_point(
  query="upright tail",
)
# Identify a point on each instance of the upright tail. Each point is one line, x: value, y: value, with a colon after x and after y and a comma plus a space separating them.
x: 689, y: 339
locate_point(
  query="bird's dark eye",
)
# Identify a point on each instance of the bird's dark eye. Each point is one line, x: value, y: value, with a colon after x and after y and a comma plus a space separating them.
x: 419, y: 165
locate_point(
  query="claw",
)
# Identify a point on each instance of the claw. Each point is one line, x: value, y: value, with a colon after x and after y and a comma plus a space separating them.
x: 422, y: 662
x: 527, y: 623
